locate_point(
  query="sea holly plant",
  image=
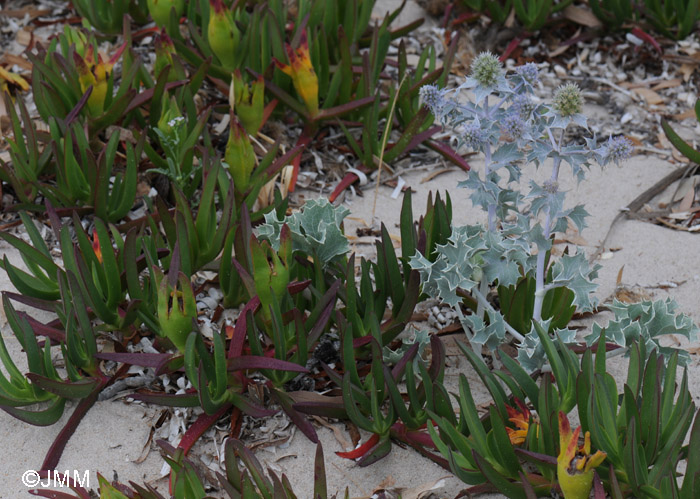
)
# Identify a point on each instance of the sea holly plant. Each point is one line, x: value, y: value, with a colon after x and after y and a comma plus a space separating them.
x: 504, y: 122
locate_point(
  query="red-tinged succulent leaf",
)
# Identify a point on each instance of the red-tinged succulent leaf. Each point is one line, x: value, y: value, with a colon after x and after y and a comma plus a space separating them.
x: 297, y: 418
x: 379, y: 451
x: 73, y: 114
x: 360, y: 450
x: 167, y: 399
x: 598, y: 490
x: 201, y: 425
x: 251, y: 409
x: 240, y: 330
x: 245, y: 362
x: 536, y: 457
x: 136, y: 359
x: 328, y: 301
x: 283, y: 160
x: 45, y: 417
x: 400, y: 366
x: 417, y: 437
x: 647, y: 38
x: 320, y: 488
x: 303, y: 141
x: 437, y: 360
x: 67, y: 479
x: 360, y: 342
x: 527, y: 487
x: 510, y: 48
x: 448, y: 153
x: 337, y: 111
x: 406, y: 29
x: 66, y: 389
x: 170, y: 365
x: 54, y: 494
x: 347, y: 181
x: 319, y: 405
x: 267, y: 112
x: 53, y: 456
x: 41, y: 329
x: 409, y: 140
x: 296, y: 287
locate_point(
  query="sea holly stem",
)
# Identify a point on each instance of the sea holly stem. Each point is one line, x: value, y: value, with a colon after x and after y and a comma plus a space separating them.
x: 551, y: 186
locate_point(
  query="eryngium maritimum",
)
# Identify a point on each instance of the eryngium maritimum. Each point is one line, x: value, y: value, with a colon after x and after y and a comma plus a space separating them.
x: 568, y: 100
x: 486, y: 69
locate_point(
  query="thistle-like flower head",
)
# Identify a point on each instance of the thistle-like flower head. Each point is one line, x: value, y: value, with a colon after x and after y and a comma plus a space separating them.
x: 522, y: 105
x: 513, y: 126
x: 617, y: 149
x: 529, y: 73
x: 433, y: 97
x: 473, y: 136
x: 486, y: 69
x: 568, y: 100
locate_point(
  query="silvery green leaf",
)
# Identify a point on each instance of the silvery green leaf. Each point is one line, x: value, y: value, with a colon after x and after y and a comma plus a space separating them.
x: 542, y: 199
x: 421, y: 337
x: 481, y: 93
x: 508, y: 201
x: 540, y: 151
x: 537, y: 237
x: 456, y: 267
x: 491, y: 335
x: 580, y: 120
x: 531, y: 355
x: 646, y: 321
x: 576, y: 274
x: 315, y: 229
x: 507, y: 154
x: 577, y: 215
x: 502, y: 259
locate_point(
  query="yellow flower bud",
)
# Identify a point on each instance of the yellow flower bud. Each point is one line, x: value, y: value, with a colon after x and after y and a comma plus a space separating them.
x: 302, y: 73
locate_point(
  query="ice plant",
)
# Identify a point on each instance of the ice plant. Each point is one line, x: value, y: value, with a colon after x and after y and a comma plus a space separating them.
x: 96, y: 246
x: 239, y: 156
x: 164, y: 54
x: 575, y: 464
x: 224, y: 35
x: 301, y: 70
x: 247, y: 101
x: 177, y: 308
x: 94, y: 72
x: 160, y: 10
x: 521, y: 418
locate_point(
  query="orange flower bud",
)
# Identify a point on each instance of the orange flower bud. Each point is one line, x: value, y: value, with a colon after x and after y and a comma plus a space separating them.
x: 302, y: 73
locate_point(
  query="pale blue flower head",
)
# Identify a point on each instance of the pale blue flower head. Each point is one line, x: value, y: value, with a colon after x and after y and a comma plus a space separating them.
x: 617, y: 149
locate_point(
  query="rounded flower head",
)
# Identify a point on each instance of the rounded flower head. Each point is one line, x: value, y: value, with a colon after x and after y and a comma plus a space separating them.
x: 473, y: 136
x: 486, y: 69
x: 529, y: 73
x: 568, y: 100
x: 513, y: 126
x: 617, y: 149
x: 522, y: 105
x: 433, y: 97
